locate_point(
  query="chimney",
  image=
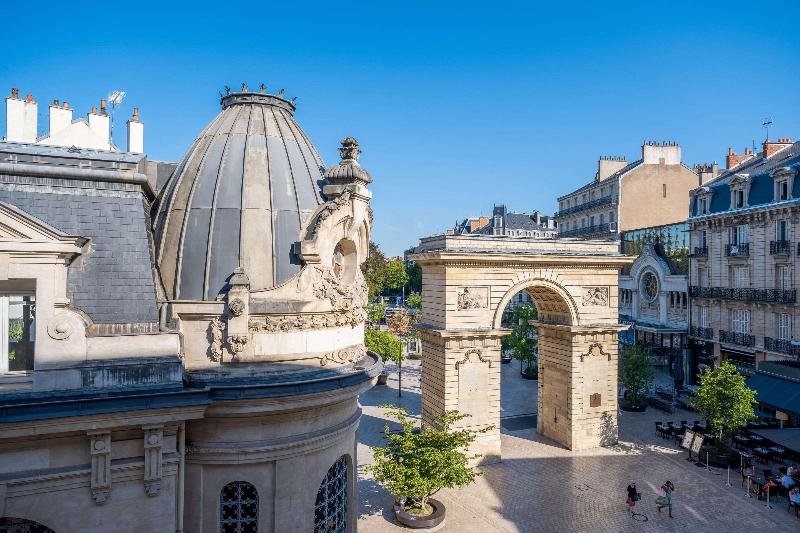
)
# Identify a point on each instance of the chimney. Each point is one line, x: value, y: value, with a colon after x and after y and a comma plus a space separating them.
x: 706, y: 172
x: 60, y: 117
x: 773, y: 147
x: 99, y: 128
x: 734, y: 160
x: 537, y: 218
x: 483, y: 222
x: 21, y: 118
x: 608, y: 165
x: 135, y: 133
x: 661, y: 153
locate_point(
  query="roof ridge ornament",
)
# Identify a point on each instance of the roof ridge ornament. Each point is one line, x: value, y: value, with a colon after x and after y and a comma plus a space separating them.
x: 349, y: 150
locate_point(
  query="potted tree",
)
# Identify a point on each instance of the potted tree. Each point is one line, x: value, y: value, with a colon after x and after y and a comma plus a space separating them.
x: 726, y: 402
x: 636, y: 373
x: 387, y: 346
x: 523, y: 342
x: 415, y: 464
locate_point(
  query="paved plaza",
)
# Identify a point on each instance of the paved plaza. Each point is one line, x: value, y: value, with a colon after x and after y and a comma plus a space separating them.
x: 541, y: 486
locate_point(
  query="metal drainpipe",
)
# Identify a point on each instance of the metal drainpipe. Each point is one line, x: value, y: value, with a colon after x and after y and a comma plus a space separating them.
x: 181, y: 474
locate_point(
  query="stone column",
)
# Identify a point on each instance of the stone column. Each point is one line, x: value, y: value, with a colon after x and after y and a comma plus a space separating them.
x: 577, y: 404
x: 461, y: 371
x: 635, y: 303
x: 663, y: 302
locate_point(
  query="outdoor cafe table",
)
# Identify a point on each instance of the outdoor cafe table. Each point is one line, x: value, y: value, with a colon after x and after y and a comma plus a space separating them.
x: 761, y: 453
x: 788, y: 438
x: 741, y: 440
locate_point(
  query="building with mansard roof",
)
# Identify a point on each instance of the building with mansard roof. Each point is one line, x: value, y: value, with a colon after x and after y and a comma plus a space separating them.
x: 182, y: 342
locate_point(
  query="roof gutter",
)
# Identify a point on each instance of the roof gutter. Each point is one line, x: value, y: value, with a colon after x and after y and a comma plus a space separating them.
x: 89, y: 174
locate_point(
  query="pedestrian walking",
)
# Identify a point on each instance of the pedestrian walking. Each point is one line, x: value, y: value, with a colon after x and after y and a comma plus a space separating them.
x: 664, y: 498
x: 633, y: 496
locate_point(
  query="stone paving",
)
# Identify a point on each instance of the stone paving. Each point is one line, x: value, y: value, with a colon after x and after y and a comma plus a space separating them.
x: 542, y: 487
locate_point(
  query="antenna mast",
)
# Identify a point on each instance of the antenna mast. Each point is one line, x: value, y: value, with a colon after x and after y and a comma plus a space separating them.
x: 114, y: 98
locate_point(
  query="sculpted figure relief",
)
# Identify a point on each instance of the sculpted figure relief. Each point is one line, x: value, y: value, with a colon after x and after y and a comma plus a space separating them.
x: 595, y: 296
x: 468, y: 300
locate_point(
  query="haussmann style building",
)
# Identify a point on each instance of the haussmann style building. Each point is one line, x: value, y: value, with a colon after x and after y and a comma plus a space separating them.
x: 182, y: 344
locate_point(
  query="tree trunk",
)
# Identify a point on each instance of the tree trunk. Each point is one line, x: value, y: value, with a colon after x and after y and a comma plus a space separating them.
x: 400, y: 380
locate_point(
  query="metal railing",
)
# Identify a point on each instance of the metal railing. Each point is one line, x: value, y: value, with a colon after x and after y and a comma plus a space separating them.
x: 779, y: 247
x: 703, y: 333
x: 599, y: 202
x: 598, y: 228
x: 701, y: 251
x: 732, y: 337
x: 737, y: 250
x: 783, y: 346
x: 770, y: 296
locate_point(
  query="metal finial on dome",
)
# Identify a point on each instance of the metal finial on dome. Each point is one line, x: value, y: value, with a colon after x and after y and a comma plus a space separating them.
x: 262, y: 88
x: 349, y: 150
x: 244, y: 87
x: 281, y: 93
x: 227, y: 90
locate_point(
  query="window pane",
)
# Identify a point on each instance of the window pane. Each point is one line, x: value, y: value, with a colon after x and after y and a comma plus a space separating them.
x: 19, y: 314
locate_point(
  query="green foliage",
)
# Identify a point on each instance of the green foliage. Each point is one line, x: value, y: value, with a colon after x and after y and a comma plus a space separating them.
x: 725, y: 400
x: 414, y: 300
x: 374, y: 270
x: 385, y: 344
x: 414, y: 277
x: 523, y: 343
x: 415, y: 464
x: 395, y: 276
x: 15, y: 330
x: 636, y: 372
x: 376, y: 312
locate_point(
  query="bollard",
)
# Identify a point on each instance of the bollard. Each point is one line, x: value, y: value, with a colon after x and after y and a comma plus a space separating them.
x: 729, y: 476
x: 747, y: 488
x: 768, y: 506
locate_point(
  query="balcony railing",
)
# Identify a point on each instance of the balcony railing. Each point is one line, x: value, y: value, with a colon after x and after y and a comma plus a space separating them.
x: 732, y: 337
x: 783, y: 346
x: 598, y: 228
x: 779, y: 247
x: 769, y: 296
x: 737, y: 250
x: 701, y: 251
x: 599, y: 202
x: 703, y: 333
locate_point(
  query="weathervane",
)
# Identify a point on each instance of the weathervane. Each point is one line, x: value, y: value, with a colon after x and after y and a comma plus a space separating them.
x: 766, y: 124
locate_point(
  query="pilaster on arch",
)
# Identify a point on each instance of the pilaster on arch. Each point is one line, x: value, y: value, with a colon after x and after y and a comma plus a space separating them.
x: 543, y: 284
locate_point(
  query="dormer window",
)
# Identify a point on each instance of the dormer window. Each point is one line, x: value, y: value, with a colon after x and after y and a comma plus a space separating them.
x: 784, y: 179
x: 740, y: 189
x: 702, y: 206
x: 738, y: 199
x: 783, y: 190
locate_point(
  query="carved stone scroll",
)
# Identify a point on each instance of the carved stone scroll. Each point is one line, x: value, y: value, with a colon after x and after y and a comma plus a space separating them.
x: 595, y: 350
x: 153, y: 455
x: 100, y: 451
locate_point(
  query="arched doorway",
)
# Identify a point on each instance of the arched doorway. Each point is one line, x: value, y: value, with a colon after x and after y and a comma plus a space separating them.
x: 467, y: 282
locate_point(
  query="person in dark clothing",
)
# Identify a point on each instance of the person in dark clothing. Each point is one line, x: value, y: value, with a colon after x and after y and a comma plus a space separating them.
x: 633, y: 496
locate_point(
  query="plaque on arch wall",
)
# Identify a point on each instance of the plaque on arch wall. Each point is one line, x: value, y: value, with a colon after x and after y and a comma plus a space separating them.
x: 595, y: 400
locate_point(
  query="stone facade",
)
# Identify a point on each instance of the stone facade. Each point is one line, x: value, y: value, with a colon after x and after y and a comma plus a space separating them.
x: 574, y: 287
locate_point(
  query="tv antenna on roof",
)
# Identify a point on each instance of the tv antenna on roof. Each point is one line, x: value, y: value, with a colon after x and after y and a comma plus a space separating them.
x: 766, y: 124
x: 114, y: 98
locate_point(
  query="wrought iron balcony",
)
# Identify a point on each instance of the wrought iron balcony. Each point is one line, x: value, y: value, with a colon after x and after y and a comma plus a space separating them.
x: 598, y: 228
x: 732, y: 337
x: 599, y: 202
x: 783, y: 346
x: 737, y: 250
x: 779, y: 247
x: 703, y: 333
x: 701, y: 251
x: 769, y: 296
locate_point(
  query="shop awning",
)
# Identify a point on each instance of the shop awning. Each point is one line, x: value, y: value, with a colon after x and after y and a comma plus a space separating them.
x: 778, y: 393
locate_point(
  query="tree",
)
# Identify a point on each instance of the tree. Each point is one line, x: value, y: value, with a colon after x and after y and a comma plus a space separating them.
x: 374, y: 270
x: 404, y: 325
x: 376, y: 312
x: 725, y: 400
x: 395, y: 275
x: 415, y: 464
x: 414, y: 300
x: 636, y: 372
x: 523, y: 342
x: 389, y: 347
x: 414, y: 277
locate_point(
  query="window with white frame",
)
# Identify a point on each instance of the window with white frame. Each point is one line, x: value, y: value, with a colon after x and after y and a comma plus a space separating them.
x: 781, y: 230
x: 702, y: 277
x: 783, y: 277
x: 611, y: 216
x: 738, y: 198
x: 703, y: 239
x: 740, y: 277
x: 704, y: 321
x: 784, y: 326
x: 702, y: 206
x: 738, y: 235
x: 782, y: 189
x: 740, y: 320
x: 18, y: 329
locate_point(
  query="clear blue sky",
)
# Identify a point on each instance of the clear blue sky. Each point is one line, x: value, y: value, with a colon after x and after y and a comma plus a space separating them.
x: 457, y: 104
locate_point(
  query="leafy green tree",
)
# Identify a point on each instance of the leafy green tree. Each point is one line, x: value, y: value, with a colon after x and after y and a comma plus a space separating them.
x: 385, y: 344
x: 414, y: 300
x: 725, y: 400
x: 636, y: 372
x: 415, y: 464
x: 523, y: 343
x: 374, y: 270
x: 396, y: 276
x: 414, y: 277
x: 376, y: 312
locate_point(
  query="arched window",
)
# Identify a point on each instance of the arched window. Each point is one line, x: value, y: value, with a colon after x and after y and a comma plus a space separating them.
x: 238, y: 508
x: 330, y: 510
x: 20, y: 525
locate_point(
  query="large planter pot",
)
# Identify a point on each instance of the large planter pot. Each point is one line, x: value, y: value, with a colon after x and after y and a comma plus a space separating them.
x: 383, y: 378
x: 719, y: 460
x: 529, y: 375
x: 411, y: 521
x: 632, y: 407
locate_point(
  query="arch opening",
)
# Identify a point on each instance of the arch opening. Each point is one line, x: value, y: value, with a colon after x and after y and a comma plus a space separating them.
x: 21, y: 525
x: 553, y: 303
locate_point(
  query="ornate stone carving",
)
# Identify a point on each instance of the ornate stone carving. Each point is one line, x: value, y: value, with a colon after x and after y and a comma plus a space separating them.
x: 327, y: 210
x: 274, y: 323
x: 100, y: 451
x: 216, y: 332
x: 237, y: 343
x: 236, y: 307
x: 60, y: 327
x: 595, y: 350
x: 328, y: 286
x: 595, y: 296
x: 470, y: 300
x: 468, y: 356
x: 345, y: 355
x: 153, y: 455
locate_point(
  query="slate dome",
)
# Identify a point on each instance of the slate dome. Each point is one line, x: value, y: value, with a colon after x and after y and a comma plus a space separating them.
x: 238, y: 198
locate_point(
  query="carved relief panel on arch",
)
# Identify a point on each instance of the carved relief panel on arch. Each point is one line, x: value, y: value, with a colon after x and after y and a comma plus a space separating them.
x: 469, y: 298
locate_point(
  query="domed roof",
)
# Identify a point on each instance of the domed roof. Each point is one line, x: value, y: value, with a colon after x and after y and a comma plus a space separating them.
x: 238, y: 198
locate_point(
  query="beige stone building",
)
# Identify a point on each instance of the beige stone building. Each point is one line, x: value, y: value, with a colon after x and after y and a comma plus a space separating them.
x: 623, y: 196
x: 744, y: 231
x: 184, y: 353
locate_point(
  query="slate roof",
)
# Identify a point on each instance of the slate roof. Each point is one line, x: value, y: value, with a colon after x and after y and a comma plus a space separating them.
x: 238, y: 198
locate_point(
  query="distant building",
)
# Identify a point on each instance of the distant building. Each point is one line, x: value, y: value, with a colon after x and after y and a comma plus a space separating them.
x: 652, y: 191
x: 502, y: 222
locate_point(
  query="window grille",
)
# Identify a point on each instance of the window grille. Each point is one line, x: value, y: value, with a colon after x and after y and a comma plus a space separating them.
x: 330, y: 510
x: 238, y: 503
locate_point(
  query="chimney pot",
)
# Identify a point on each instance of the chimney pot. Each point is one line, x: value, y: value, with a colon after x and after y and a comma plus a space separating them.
x: 29, y: 97
x: 55, y: 102
x: 103, y: 106
x: 136, y: 113
x: 14, y: 92
x: 65, y: 105
x: 94, y: 109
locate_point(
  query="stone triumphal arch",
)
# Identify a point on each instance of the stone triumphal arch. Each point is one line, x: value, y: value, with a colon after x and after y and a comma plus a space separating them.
x: 467, y: 282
